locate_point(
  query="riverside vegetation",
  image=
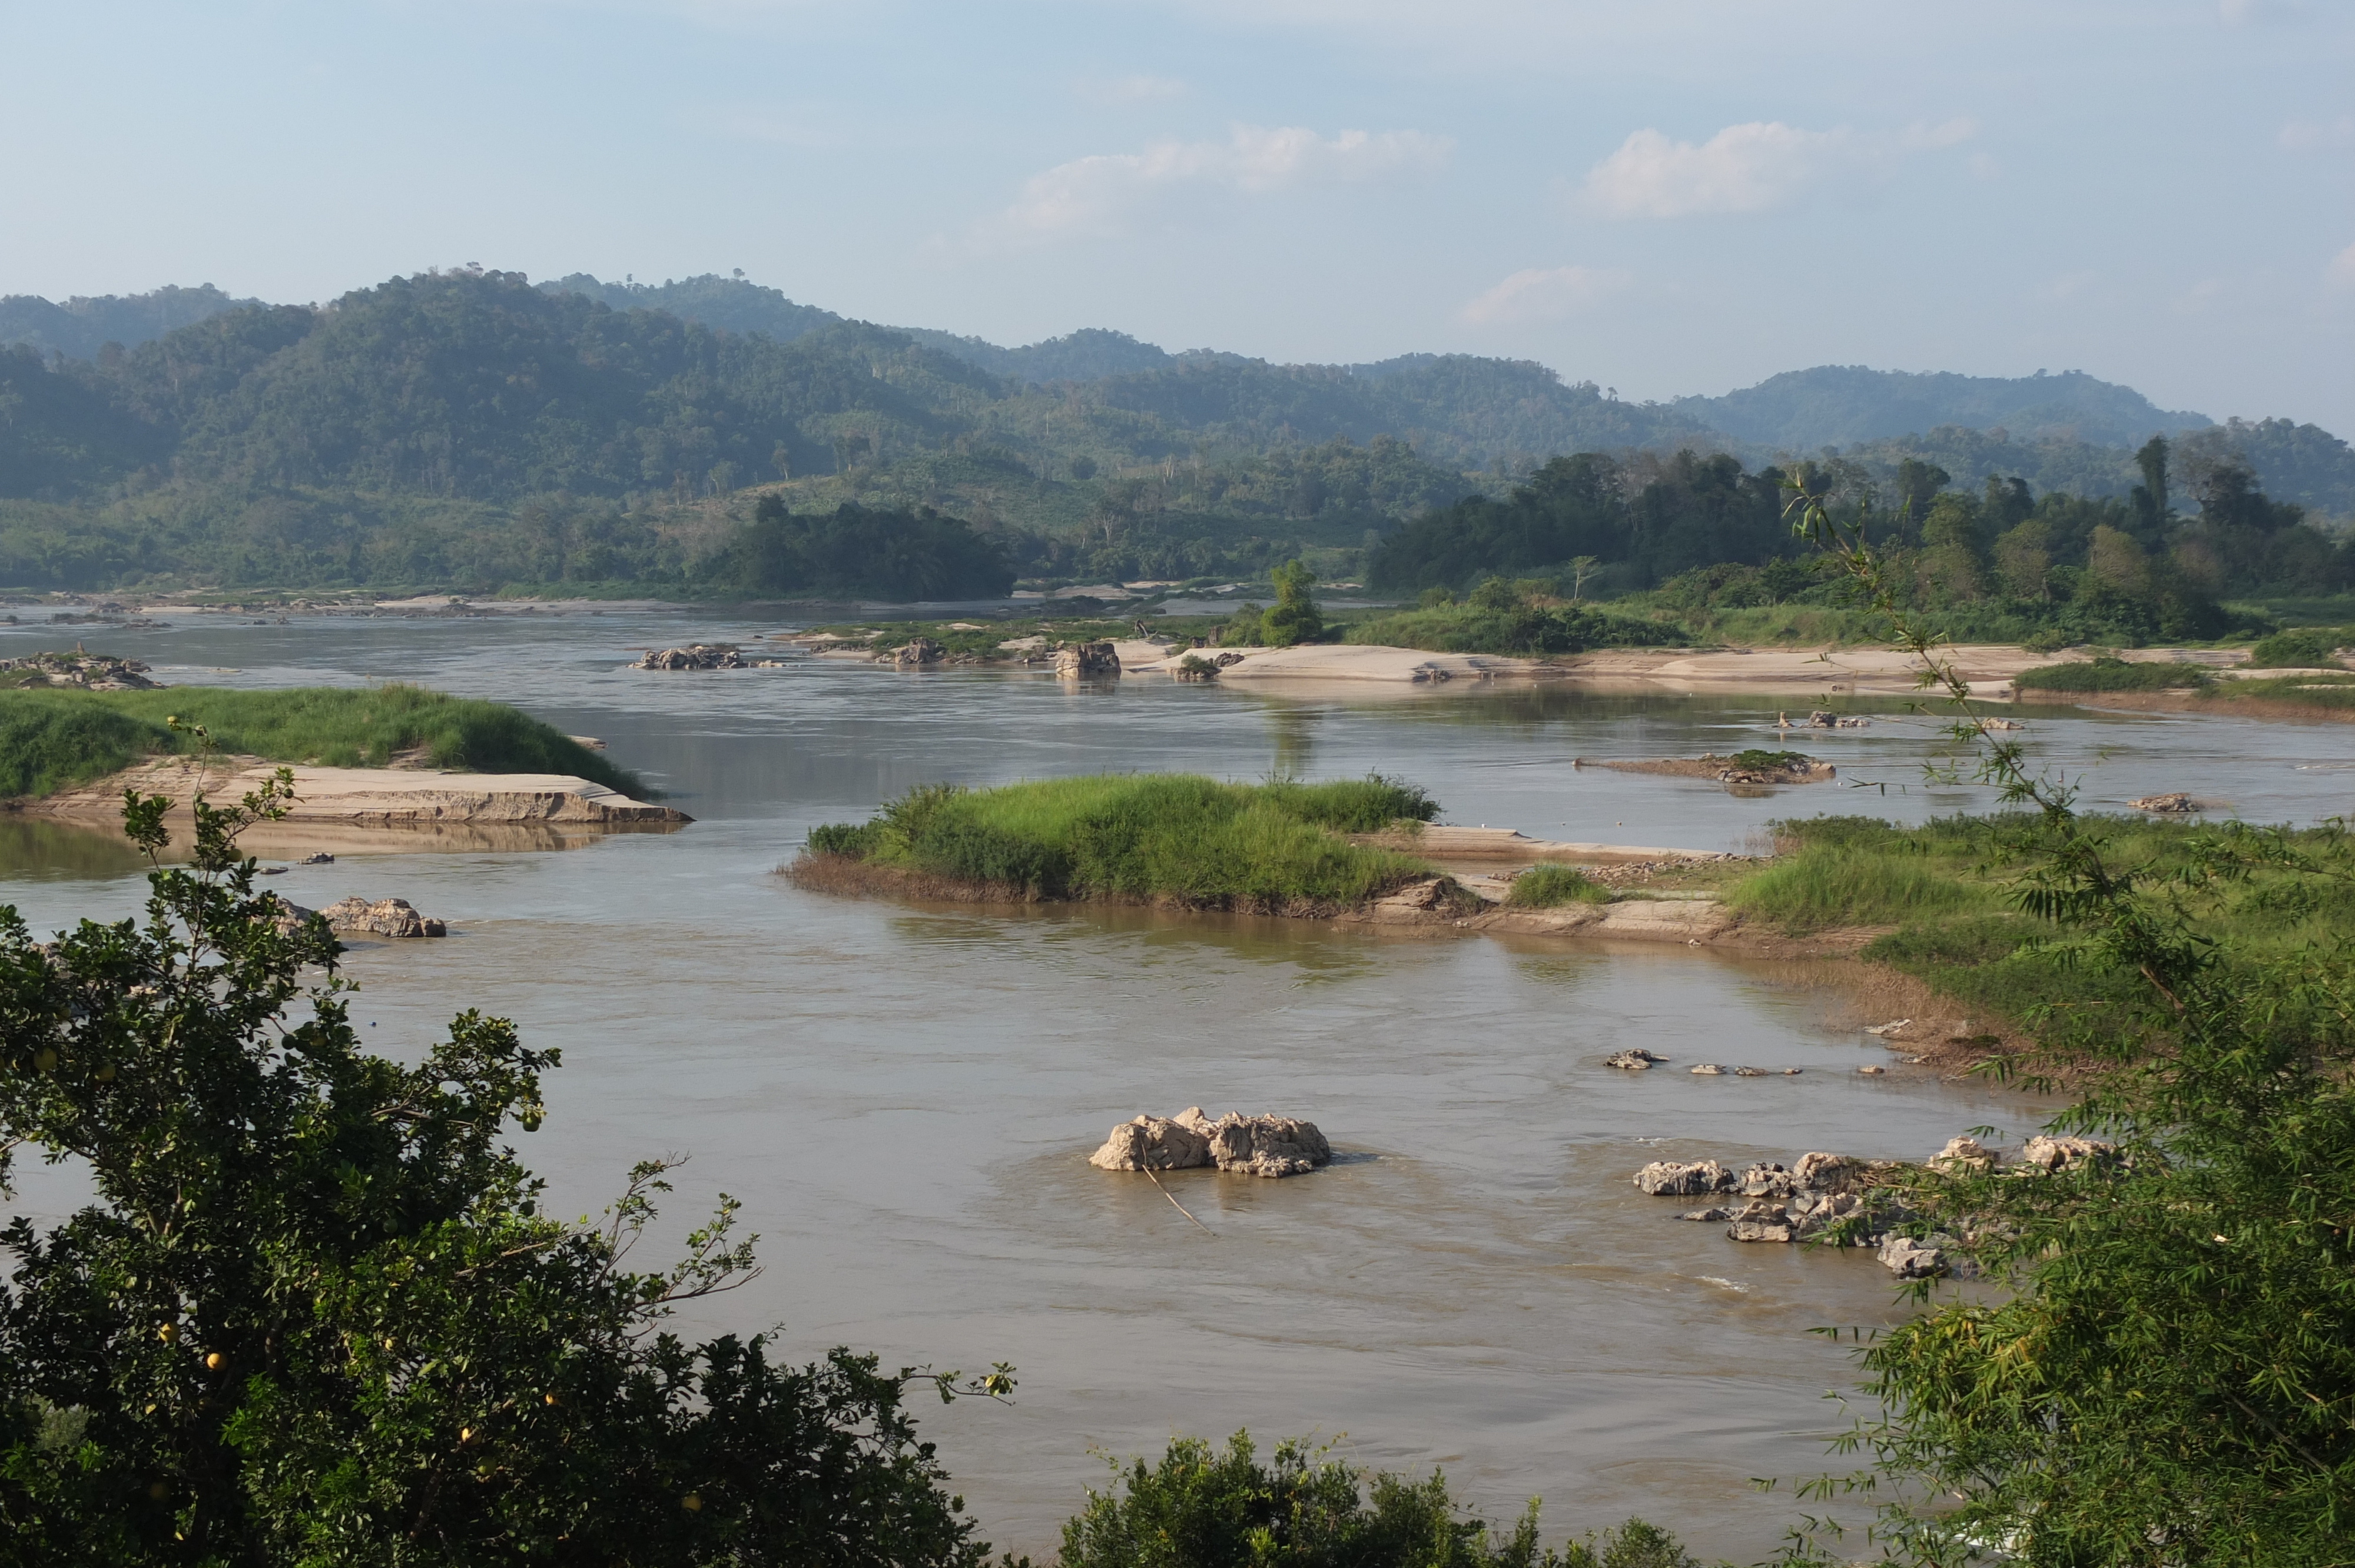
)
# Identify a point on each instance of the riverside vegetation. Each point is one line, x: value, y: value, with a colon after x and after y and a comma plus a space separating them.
x: 1179, y: 839
x: 2165, y: 1373
x: 52, y: 739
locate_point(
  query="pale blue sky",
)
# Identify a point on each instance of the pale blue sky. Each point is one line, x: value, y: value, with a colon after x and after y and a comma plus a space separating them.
x: 1678, y: 196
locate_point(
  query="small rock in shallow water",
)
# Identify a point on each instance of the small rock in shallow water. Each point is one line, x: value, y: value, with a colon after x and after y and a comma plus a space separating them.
x: 1707, y: 1069
x: 1670, y: 1178
x: 1872, y: 1069
x: 1636, y: 1060
x: 1749, y: 1072
x: 1706, y: 1215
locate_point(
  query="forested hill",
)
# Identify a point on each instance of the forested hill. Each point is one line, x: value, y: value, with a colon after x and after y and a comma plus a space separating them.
x: 1841, y: 405
x: 472, y: 427
x: 84, y: 324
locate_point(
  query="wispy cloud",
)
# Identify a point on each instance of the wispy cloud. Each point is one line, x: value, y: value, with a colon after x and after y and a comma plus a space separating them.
x: 1750, y: 168
x: 2341, y: 271
x: 1104, y: 194
x: 1544, y: 294
x: 2318, y: 135
x: 1120, y: 91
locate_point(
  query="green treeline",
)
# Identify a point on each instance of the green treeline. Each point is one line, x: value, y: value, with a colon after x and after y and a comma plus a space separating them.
x: 54, y: 739
x: 1694, y: 536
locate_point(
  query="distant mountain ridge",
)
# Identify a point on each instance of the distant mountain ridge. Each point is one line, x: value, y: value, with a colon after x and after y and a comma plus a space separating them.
x: 84, y: 324
x: 1839, y: 405
x: 1487, y: 418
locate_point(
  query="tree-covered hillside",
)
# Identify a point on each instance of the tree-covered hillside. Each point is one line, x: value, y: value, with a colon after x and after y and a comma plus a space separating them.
x: 471, y: 429
x: 84, y: 324
x: 1839, y: 405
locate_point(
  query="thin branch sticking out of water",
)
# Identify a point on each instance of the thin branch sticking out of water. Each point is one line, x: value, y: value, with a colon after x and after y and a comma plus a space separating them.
x: 1180, y: 1207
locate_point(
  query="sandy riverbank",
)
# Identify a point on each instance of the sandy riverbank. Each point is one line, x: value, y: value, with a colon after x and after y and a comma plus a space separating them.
x: 339, y: 809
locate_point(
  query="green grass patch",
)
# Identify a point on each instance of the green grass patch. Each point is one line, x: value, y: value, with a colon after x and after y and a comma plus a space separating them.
x: 1179, y: 837
x: 1828, y: 886
x: 2113, y: 675
x: 1948, y: 887
x: 53, y: 739
x: 1549, y: 886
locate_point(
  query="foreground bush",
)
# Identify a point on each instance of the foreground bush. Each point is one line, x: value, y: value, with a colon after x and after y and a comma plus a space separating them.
x: 314, y: 1313
x: 53, y: 739
x: 1203, y: 1507
x: 1176, y: 836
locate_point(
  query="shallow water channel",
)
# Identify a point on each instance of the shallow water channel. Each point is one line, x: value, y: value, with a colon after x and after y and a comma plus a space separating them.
x: 904, y: 1097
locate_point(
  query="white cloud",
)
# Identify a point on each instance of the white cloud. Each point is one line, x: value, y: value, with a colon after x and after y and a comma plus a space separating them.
x: 1101, y: 193
x: 2244, y: 13
x: 2318, y: 135
x: 2341, y: 271
x: 1119, y: 91
x: 1544, y: 294
x: 1754, y: 167
x: 2068, y: 286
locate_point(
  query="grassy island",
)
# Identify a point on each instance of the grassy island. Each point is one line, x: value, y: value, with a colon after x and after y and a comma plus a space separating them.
x: 1173, y: 837
x: 55, y: 739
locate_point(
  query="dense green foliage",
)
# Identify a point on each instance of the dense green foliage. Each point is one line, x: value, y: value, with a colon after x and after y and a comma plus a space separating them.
x: 314, y: 1313
x: 2302, y: 648
x: 855, y: 552
x: 1843, y: 405
x: 1175, y: 837
x: 50, y: 739
x: 1518, y: 617
x: 1549, y: 887
x: 2106, y: 674
x: 1702, y: 538
x: 1205, y: 1507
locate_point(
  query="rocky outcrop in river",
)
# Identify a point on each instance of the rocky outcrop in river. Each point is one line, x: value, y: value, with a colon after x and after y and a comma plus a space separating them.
x: 1078, y: 660
x: 1246, y: 1145
x: 359, y: 916
x: 698, y: 656
x: 1820, y: 1191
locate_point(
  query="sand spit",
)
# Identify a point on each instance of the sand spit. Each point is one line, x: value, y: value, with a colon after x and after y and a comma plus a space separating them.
x: 1340, y: 662
x: 1877, y: 672
x: 381, y: 808
x: 1511, y: 846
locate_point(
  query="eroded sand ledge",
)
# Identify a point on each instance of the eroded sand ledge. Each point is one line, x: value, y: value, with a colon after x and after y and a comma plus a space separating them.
x: 375, y: 807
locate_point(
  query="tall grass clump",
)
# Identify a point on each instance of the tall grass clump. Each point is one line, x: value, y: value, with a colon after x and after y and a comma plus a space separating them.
x: 1178, y: 837
x: 53, y: 739
x: 1205, y: 1507
x: 1827, y: 886
x: 1549, y: 886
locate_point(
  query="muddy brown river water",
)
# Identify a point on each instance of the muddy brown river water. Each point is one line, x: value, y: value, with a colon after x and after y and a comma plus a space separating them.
x: 904, y: 1097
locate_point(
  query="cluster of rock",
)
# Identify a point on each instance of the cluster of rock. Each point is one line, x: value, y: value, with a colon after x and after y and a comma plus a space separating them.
x: 698, y: 656
x: 1194, y: 667
x: 921, y: 651
x: 2169, y: 805
x: 1076, y: 661
x: 1247, y: 1145
x: 1821, y: 719
x: 89, y: 671
x: 1820, y: 1191
x: 355, y: 915
x: 1638, y: 1060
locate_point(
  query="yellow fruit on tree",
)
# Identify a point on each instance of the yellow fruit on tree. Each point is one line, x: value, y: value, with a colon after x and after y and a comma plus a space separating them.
x: 691, y: 1503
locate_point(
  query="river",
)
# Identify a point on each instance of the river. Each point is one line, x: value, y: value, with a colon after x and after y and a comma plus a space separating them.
x: 903, y: 1097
